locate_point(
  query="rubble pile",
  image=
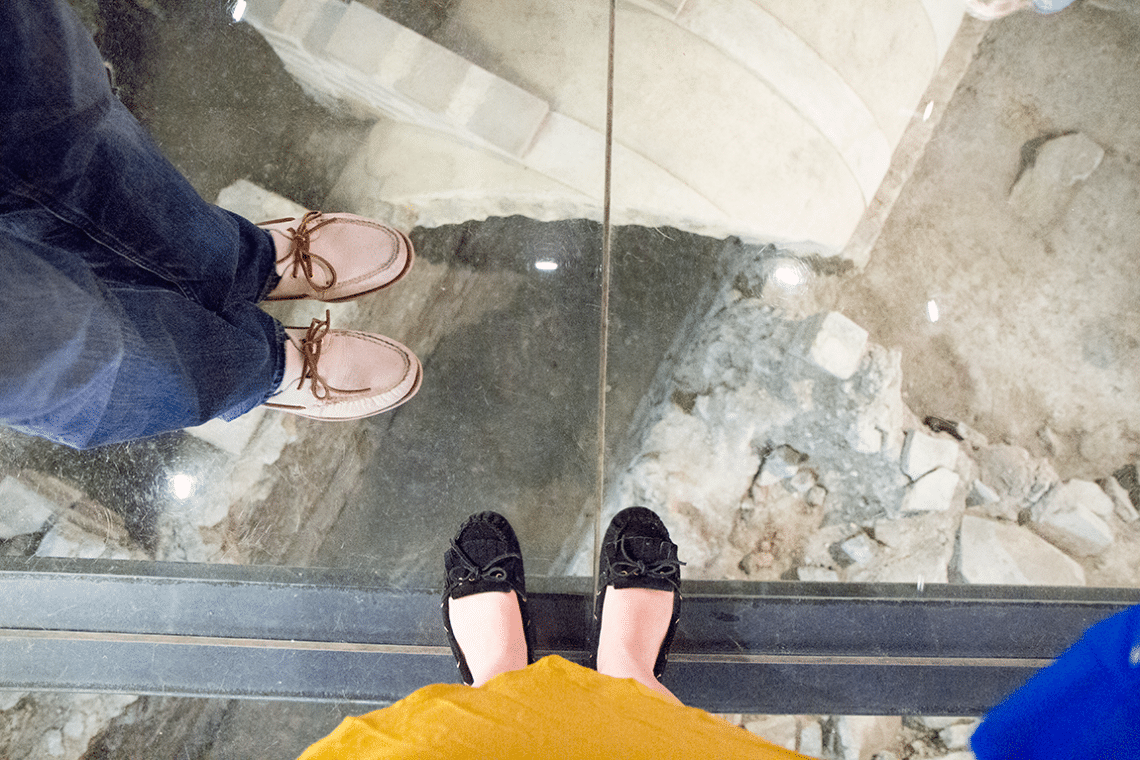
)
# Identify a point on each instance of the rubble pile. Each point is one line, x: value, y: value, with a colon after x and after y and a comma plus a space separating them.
x: 776, y: 445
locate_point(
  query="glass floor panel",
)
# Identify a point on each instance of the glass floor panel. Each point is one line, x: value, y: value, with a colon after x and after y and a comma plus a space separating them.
x: 865, y: 311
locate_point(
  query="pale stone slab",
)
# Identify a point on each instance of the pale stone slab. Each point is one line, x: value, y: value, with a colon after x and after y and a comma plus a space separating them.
x: 816, y: 574
x: 233, y: 436
x: 834, y: 343
x: 1072, y: 517
x: 796, y: 71
x: 22, y: 510
x: 506, y: 116
x: 811, y: 739
x: 1002, y: 553
x: 67, y: 540
x: 915, y: 550
x: 858, y: 549
x: 860, y: 736
x: 362, y: 38
x: 781, y: 730
x: 1044, y: 189
x: 922, y: 453
x: 957, y: 736
x: 933, y: 492
x: 256, y: 203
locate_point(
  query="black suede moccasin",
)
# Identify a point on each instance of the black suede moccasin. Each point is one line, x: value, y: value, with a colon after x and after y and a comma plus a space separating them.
x: 637, y: 553
x: 484, y: 556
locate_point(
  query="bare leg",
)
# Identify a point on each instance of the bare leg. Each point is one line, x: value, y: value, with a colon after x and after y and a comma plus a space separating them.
x: 634, y: 624
x: 489, y: 630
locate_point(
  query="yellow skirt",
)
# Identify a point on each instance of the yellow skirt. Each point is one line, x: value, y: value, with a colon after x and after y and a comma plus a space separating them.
x: 551, y: 709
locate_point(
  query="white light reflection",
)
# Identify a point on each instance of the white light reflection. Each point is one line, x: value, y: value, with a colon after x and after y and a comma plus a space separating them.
x: 239, y: 10
x: 929, y: 110
x: 182, y: 485
x: 546, y: 266
x: 932, y: 311
x: 788, y: 276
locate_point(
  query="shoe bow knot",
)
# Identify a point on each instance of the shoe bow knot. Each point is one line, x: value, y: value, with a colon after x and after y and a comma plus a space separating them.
x: 311, y: 354
x: 302, y: 257
x: 625, y: 565
x: 468, y: 571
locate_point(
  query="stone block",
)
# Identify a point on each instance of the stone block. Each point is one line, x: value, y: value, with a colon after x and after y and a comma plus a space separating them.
x: 781, y: 730
x: 997, y: 552
x: 833, y: 343
x: 434, y: 77
x: 922, y: 453
x: 506, y: 116
x: 322, y: 24
x: 362, y: 38
x: 570, y: 152
x: 261, y: 11
x: 231, y: 437
x: 811, y: 739
x: 22, y: 510
x: 1122, y: 503
x: 933, y: 492
x: 255, y: 202
x: 860, y: 736
x: 1006, y: 469
x: 1072, y: 517
x: 913, y: 550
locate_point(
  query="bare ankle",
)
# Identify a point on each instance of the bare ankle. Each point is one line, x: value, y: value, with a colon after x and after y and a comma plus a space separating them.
x: 489, y: 630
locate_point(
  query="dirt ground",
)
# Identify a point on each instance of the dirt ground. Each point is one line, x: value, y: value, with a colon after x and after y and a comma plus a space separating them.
x: 1039, y: 328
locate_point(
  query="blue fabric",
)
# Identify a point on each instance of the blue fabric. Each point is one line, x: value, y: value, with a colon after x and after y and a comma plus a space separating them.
x: 1051, y: 6
x: 1085, y: 705
x: 128, y: 303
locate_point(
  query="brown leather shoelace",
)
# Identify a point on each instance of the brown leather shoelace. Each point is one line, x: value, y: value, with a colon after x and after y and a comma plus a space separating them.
x: 303, y: 259
x: 310, y: 355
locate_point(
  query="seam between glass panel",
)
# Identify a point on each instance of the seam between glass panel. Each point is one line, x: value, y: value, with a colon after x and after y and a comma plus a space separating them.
x: 604, y: 317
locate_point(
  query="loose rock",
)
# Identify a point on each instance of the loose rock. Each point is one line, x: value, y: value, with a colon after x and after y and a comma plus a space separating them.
x: 933, y: 492
x: 1072, y: 517
x: 1122, y: 504
x: 22, y: 510
x: 834, y: 343
x: 998, y: 552
x: 923, y: 453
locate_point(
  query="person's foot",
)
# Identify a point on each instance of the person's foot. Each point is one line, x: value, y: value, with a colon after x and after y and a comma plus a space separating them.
x: 344, y: 374
x: 484, y: 599
x: 488, y: 629
x: 336, y: 257
x: 638, y: 605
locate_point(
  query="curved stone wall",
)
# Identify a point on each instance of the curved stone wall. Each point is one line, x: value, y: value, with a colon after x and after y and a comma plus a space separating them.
x: 765, y: 119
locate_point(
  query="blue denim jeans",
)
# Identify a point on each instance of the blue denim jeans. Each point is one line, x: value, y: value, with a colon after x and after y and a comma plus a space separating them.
x: 129, y: 305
